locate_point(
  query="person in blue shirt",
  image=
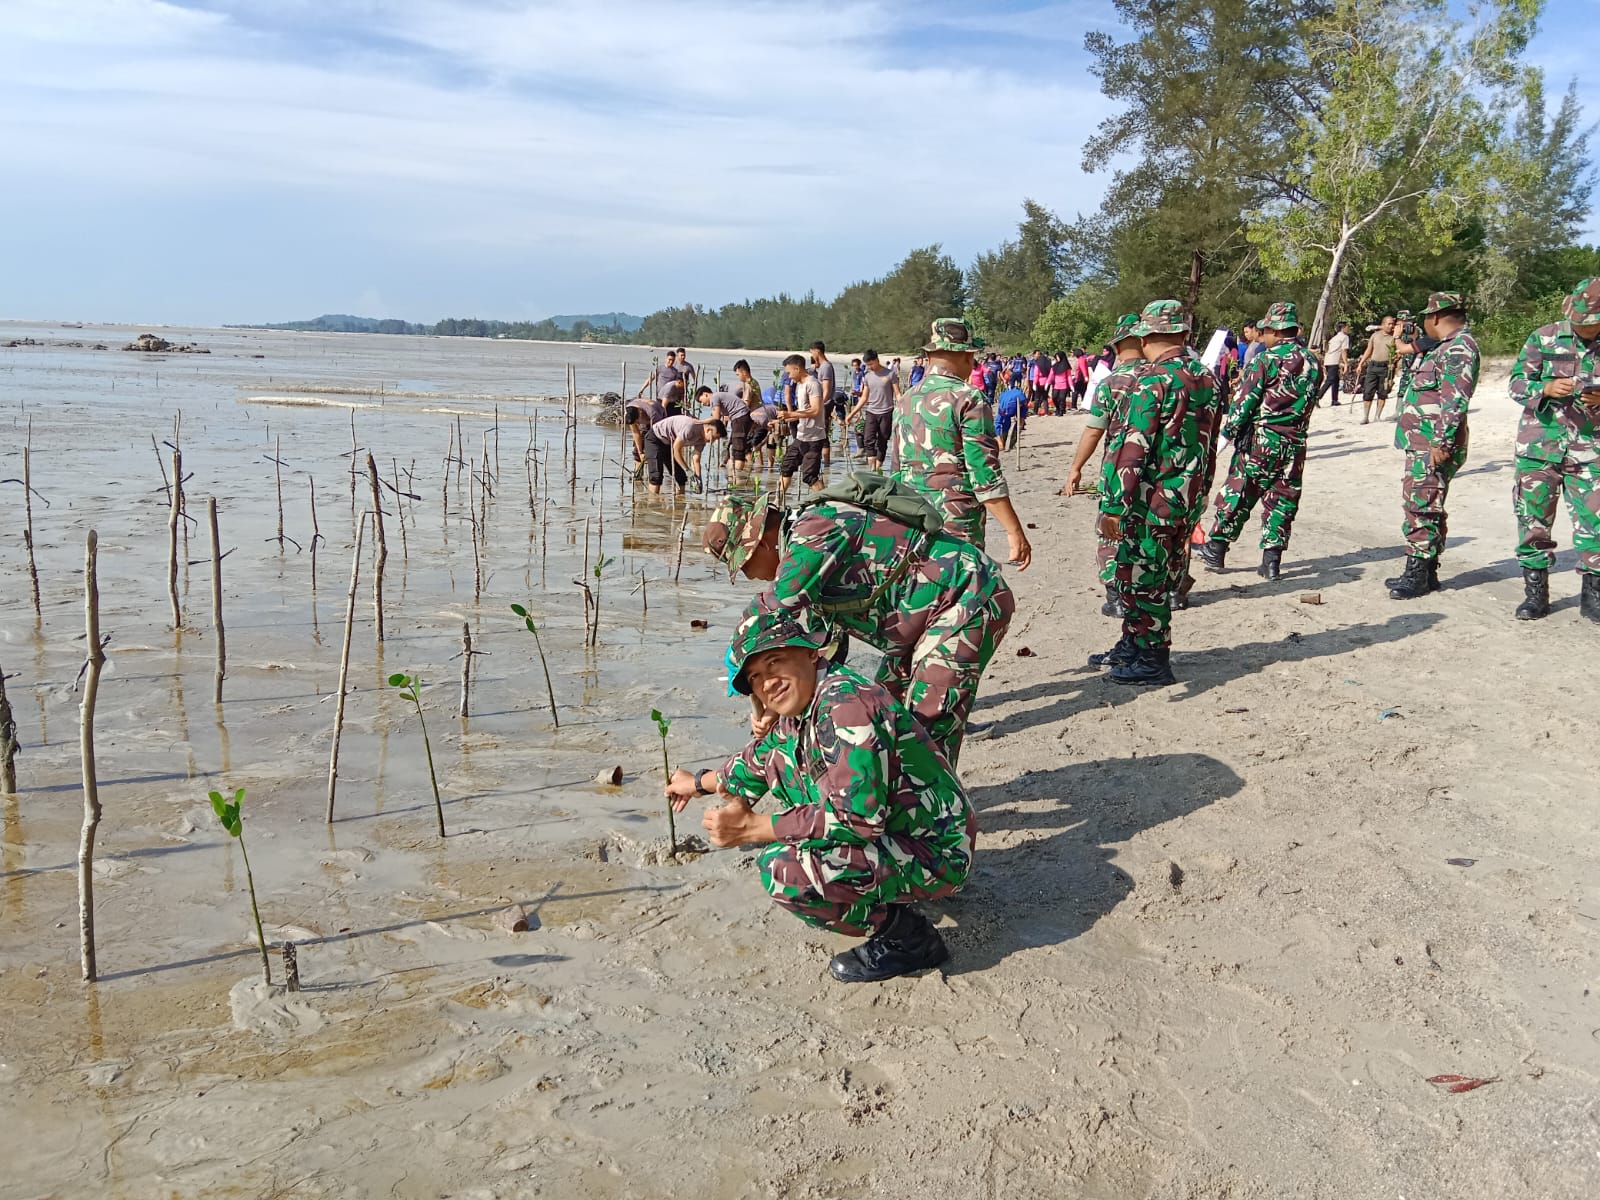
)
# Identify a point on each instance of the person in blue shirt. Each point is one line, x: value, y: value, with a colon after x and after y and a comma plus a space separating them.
x: 918, y: 369
x: 1010, y: 415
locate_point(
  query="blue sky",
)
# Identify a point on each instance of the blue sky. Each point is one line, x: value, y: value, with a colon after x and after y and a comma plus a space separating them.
x: 257, y: 160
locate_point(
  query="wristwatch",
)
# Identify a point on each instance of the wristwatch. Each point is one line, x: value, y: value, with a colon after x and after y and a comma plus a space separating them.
x: 699, y: 788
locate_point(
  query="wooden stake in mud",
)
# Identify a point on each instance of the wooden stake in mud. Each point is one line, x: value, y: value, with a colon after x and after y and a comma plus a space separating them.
x: 497, y: 443
x: 277, y: 471
x: 683, y: 532
x: 353, y: 453
x: 472, y: 531
x: 344, y: 664
x: 173, y: 515
x: 400, y: 513
x: 316, y: 532
x: 449, y: 452
x: 166, y: 484
x: 8, y: 743
x: 383, y: 546
x: 216, y: 598
x: 27, y: 532
x: 466, y: 664
x: 91, y: 783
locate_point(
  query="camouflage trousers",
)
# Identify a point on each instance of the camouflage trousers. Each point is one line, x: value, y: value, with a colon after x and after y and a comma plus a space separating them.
x: 1539, y: 485
x: 937, y: 679
x: 1423, y: 490
x: 1271, y: 476
x: 1150, y: 564
x: 848, y: 888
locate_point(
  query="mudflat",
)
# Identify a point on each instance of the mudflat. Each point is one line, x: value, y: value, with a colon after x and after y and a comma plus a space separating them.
x: 1219, y: 937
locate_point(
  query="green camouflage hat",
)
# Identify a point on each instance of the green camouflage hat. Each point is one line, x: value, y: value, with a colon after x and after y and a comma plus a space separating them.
x: 1440, y: 302
x: 1161, y: 316
x: 771, y: 631
x: 1281, y: 314
x: 1583, y: 306
x: 734, y: 529
x: 1403, y: 315
x: 1127, y: 327
x: 953, y: 334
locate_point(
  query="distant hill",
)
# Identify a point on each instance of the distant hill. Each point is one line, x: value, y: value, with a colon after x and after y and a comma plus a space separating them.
x: 594, y: 327
x: 624, y: 321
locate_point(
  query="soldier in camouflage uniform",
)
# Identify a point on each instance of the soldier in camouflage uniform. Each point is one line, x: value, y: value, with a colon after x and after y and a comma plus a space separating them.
x: 946, y: 447
x: 1557, y: 382
x: 1153, y: 489
x: 872, y: 818
x: 1105, y: 413
x: 1267, y: 427
x: 936, y: 606
x: 1431, y: 427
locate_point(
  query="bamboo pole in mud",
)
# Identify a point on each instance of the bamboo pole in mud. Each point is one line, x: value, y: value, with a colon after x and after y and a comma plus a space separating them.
x: 586, y: 547
x: 466, y: 665
x: 472, y: 532
x: 216, y: 598
x: 461, y: 451
x: 383, y: 545
x: 8, y: 742
x: 91, y: 782
x: 497, y: 443
x: 572, y: 426
x: 485, y: 490
x: 27, y: 531
x: 449, y: 450
x: 344, y: 665
x: 172, y: 538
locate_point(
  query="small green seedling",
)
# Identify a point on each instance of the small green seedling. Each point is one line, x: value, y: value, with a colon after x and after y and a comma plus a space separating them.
x: 411, y: 688
x: 539, y: 646
x: 233, y: 821
x: 662, y: 725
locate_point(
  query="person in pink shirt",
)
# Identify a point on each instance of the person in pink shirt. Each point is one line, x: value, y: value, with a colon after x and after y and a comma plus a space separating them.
x: 1060, y: 383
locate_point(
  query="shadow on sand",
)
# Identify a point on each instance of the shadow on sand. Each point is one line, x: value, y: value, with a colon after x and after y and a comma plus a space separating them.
x: 1050, y: 887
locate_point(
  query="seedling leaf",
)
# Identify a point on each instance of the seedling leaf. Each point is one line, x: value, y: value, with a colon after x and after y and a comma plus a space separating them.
x: 519, y: 610
x: 398, y: 680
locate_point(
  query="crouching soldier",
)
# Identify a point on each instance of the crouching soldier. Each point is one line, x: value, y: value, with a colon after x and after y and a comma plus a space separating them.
x: 871, y: 817
x: 871, y: 556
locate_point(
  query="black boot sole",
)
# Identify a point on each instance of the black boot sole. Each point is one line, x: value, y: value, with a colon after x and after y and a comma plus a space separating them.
x: 848, y: 967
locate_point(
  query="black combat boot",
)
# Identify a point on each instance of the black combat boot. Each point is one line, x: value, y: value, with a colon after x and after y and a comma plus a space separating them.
x: 1113, y: 607
x: 1152, y: 668
x: 905, y: 943
x: 1536, y: 592
x: 1419, y: 579
x: 1180, y: 597
x: 1589, y: 605
x: 1271, y: 561
x: 1123, y: 652
x: 1213, y: 553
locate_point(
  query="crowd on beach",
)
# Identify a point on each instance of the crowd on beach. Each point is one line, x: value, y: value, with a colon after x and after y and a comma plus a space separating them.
x: 872, y: 816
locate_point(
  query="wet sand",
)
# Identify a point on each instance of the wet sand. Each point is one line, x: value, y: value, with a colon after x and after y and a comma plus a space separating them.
x: 1213, y: 947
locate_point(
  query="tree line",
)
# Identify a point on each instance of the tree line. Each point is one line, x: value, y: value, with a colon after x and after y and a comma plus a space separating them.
x: 1350, y: 155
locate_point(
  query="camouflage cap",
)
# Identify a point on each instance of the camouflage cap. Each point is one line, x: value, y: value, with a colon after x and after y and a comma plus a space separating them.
x: 1583, y: 306
x: 1439, y: 302
x: 734, y: 529
x: 953, y: 334
x: 772, y: 631
x: 1281, y: 314
x: 1127, y: 327
x: 1161, y: 316
x: 1403, y: 315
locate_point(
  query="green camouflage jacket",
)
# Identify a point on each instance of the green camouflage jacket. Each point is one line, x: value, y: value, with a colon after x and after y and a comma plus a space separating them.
x: 1433, y: 410
x: 1159, y: 464
x: 856, y: 766
x: 1554, y: 430
x: 944, y: 436
x: 873, y: 575
x: 1276, y: 392
x: 1111, y: 395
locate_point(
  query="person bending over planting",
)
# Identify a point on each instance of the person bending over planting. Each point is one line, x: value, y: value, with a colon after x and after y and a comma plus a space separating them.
x: 872, y: 556
x: 871, y: 817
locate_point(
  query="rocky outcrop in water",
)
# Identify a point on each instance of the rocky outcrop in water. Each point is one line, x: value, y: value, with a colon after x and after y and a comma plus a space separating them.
x: 149, y: 343
x: 610, y: 413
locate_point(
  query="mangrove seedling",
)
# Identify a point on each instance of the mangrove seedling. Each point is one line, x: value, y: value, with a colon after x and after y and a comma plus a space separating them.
x: 411, y: 688
x: 539, y: 646
x: 662, y: 725
x: 233, y: 821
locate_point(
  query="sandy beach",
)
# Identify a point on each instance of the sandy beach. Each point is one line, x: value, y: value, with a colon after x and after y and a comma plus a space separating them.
x: 1214, y: 947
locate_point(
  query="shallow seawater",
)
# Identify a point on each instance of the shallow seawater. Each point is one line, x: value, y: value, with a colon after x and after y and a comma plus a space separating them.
x: 170, y: 882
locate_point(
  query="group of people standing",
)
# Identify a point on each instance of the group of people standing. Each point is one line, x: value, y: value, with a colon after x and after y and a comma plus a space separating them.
x: 873, y: 817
